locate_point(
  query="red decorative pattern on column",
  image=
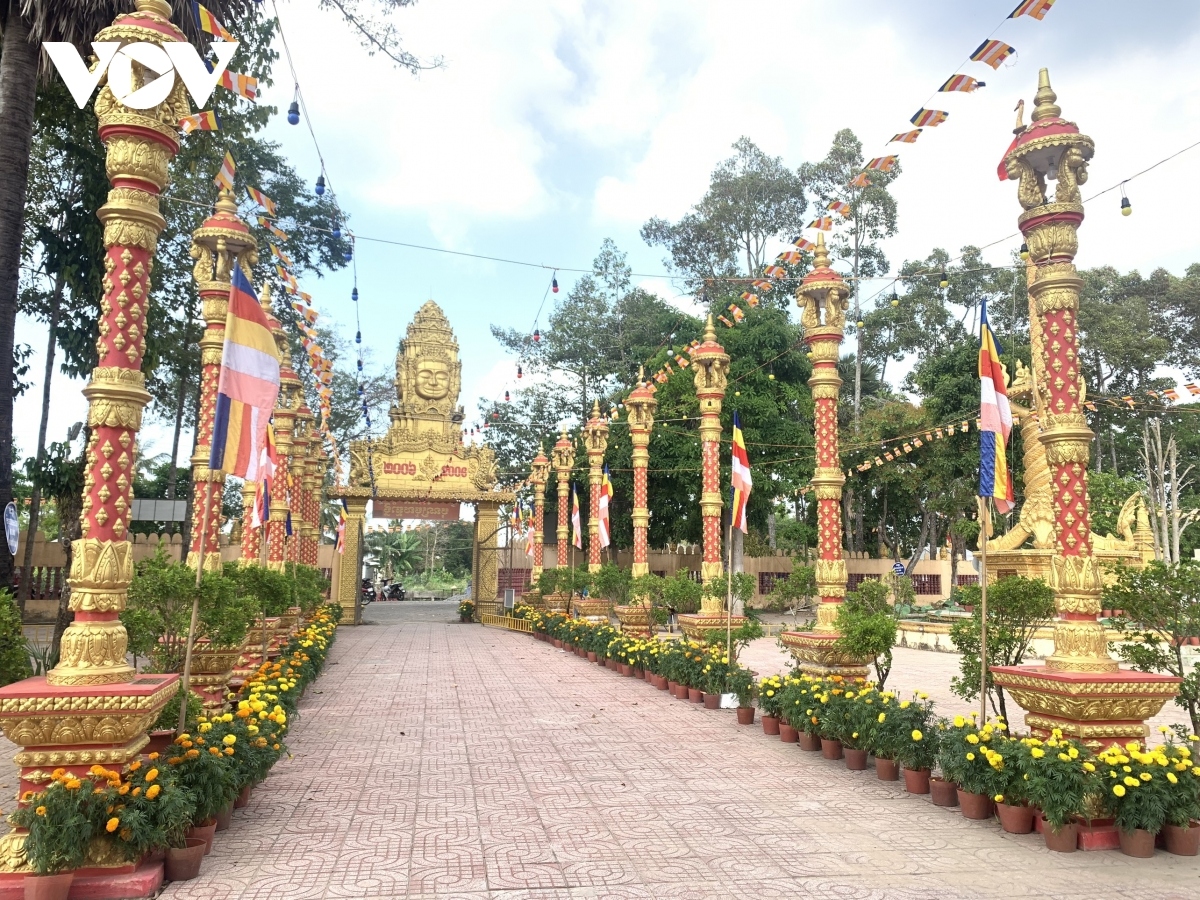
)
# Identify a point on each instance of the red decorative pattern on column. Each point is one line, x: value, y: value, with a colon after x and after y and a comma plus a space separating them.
x: 641, y: 406
x: 564, y: 461
x: 711, y: 366
x: 595, y: 439
x: 251, y: 551
x: 539, y: 474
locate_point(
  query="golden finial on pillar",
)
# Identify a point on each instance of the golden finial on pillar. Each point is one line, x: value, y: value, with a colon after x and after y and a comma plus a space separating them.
x: 820, y: 256
x: 1044, y: 105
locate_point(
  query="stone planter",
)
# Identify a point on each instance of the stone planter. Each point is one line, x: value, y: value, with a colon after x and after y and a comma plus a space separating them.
x: 634, y: 618
x: 557, y: 602
x: 212, y: 667
x: 589, y: 608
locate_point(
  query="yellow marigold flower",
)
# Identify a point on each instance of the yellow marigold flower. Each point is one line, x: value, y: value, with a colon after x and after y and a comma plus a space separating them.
x: 1037, y: 752
x: 229, y: 740
x: 1064, y: 757
x: 999, y: 798
x: 916, y: 734
x: 972, y: 739
x: 1171, y: 778
x: 152, y: 791
x: 770, y: 693
x: 1073, y: 753
x: 882, y: 716
x: 1118, y: 790
x: 73, y: 784
x: 1131, y: 781
x: 970, y: 757
x: 152, y: 774
x: 41, y: 810
x: 1145, y: 776
x: 959, y: 721
x: 1088, y: 767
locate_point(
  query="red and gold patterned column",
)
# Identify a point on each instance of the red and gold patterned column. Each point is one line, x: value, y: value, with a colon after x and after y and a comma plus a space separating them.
x: 641, y: 406
x: 220, y: 243
x: 1080, y: 689
x: 595, y: 441
x: 539, y: 474
x: 284, y: 418
x: 564, y: 463
x: 298, y: 502
x: 89, y: 709
x: 822, y: 301
x: 251, y: 552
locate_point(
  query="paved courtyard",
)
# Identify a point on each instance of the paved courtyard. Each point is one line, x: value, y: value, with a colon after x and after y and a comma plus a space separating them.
x: 437, y: 760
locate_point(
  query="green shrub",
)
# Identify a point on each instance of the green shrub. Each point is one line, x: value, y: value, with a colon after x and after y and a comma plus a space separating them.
x: 14, y: 653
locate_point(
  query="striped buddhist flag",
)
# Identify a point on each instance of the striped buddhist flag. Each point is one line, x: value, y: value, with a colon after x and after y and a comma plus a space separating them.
x: 761, y: 286
x: 791, y: 257
x: 242, y: 85
x: 839, y: 206
x: 929, y: 118
x: 906, y: 137
x: 724, y: 321
x: 209, y: 23
x: 262, y: 200
x: 803, y: 243
x: 963, y: 83
x: 203, y: 121
x: 738, y: 315
x: 1036, y: 9
x: 576, y: 522
x: 606, y: 493
x: 224, y: 179
x: 281, y: 256
x: 247, y: 387
x: 270, y: 226
x: 341, y: 527
x: 740, y: 481
x: 822, y: 223
x: 861, y: 180
x: 992, y: 53
x: 995, y: 420
x: 883, y: 163
x: 775, y: 271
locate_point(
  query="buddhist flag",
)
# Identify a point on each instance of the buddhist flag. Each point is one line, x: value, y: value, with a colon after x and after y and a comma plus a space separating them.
x: 750, y: 298
x: 822, y: 223
x: 247, y: 386
x: 204, y: 121
x: 224, y: 179
x: 761, y: 286
x: 576, y: 524
x: 929, y: 118
x: 791, y: 257
x: 341, y: 527
x: 1036, y: 9
x: 270, y: 226
x: 906, y: 137
x: 883, y: 163
x: 839, y: 206
x: 281, y: 256
x: 740, y: 481
x: 861, y: 180
x: 262, y: 200
x: 209, y: 23
x: 606, y: 493
x: 775, y: 271
x: 992, y: 53
x: 724, y: 321
x: 242, y: 85
x: 802, y: 244
x: 1192, y: 388
x: 963, y: 83
x: 995, y: 419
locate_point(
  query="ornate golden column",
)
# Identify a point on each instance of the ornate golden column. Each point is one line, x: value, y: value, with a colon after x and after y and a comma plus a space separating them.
x: 538, y: 476
x: 297, y: 503
x: 220, y: 243
x: 641, y: 406
x: 284, y: 419
x: 90, y: 709
x: 487, y: 556
x: 822, y: 298
x: 350, y: 566
x: 1080, y: 688
x: 564, y: 463
x: 595, y: 440
x: 251, y: 552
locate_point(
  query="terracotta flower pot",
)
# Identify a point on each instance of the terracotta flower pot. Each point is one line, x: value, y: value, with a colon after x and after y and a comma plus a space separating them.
x: 1065, y: 840
x: 224, y: 817
x: 787, y: 733
x: 1182, y: 841
x: 712, y: 701
x: 1015, y: 818
x: 856, y: 760
x: 48, y: 887
x: 975, y: 806
x: 204, y: 832
x: 1138, y: 843
x: 681, y: 692
x: 745, y: 715
x: 557, y: 644
x: 945, y: 793
x: 886, y: 769
x: 809, y: 742
x: 638, y: 673
x: 831, y: 749
x: 242, y: 798
x: 660, y: 682
x: 159, y: 741
x: 695, y: 695
x: 601, y: 662
x: 626, y: 670
x: 672, y: 686
x: 182, y: 865
x: 916, y: 781
x: 591, y: 656
x: 770, y: 724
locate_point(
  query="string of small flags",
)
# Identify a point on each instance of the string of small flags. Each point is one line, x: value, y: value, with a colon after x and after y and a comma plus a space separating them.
x: 245, y: 86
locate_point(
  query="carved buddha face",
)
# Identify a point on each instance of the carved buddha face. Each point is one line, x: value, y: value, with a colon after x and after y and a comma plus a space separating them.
x: 433, y: 379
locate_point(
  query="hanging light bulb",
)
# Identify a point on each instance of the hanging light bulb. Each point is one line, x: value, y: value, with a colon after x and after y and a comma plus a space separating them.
x: 348, y: 254
x: 354, y: 294
x: 320, y: 185
x: 1024, y: 250
x: 358, y: 337
x: 945, y: 282
x: 860, y: 323
x: 496, y: 415
x: 554, y: 283
x: 520, y: 374
x: 537, y: 336
x: 293, y: 114
x: 506, y: 396
x: 895, y: 299
x: 337, y: 232
x: 1126, y: 209
x: 360, y: 365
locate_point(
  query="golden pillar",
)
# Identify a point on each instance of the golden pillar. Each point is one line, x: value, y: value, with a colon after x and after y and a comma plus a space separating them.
x: 487, y: 555
x: 297, y: 505
x: 822, y: 299
x: 220, y: 243
x: 595, y: 441
x: 641, y: 406
x: 564, y: 463
x: 1080, y: 688
x: 538, y: 476
x: 350, y: 565
x: 251, y: 552
x: 89, y: 709
x: 284, y: 420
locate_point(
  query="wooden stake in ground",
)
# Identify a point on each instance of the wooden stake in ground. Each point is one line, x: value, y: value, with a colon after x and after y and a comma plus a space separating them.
x: 985, y: 524
x: 191, y: 637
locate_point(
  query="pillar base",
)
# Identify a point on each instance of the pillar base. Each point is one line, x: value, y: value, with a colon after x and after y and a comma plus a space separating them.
x: 121, y: 883
x: 634, y: 618
x: 591, y: 609
x: 1096, y: 708
x: 700, y: 626
x: 817, y: 654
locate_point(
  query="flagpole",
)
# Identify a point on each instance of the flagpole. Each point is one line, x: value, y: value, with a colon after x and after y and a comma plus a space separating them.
x: 729, y: 589
x: 191, y: 638
x: 985, y: 521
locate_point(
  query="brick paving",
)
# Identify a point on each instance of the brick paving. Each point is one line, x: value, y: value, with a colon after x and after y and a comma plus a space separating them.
x: 437, y: 760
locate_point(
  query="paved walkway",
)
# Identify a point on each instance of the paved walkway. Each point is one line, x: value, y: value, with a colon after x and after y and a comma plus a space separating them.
x: 437, y: 760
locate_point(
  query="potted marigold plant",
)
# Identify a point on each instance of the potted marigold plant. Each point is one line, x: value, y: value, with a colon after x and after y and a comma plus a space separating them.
x: 880, y: 740
x: 770, y: 703
x: 967, y: 758
x: 1011, y: 760
x: 713, y: 676
x: 914, y: 741
x: 1181, y: 832
x: 861, y: 723
x: 1141, y: 789
x: 829, y: 717
x: 800, y: 696
x: 61, y: 820
x: 1061, y: 779
x: 740, y: 683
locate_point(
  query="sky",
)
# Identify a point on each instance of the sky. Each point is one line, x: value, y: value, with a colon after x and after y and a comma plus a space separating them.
x: 553, y: 125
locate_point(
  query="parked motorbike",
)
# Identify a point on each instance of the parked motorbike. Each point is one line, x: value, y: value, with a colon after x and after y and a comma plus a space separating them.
x: 394, y: 592
x: 368, y: 593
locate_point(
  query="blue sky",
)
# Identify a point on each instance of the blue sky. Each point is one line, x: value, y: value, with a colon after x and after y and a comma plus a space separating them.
x: 556, y: 124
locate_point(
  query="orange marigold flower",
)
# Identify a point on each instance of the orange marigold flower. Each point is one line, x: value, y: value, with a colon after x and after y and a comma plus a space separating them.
x: 112, y: 824
x: 153, y: 755
x: 215, y: 751
x: 193, y: 753
x: 152, y: 774
x: 137, y: 791
x: 123, y: 790
x: 175, y: 760
x: 41, y: 810
x: 229, y: 751
x: 73, y: 784
x: 135, y: 765
x: 152, y: 791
